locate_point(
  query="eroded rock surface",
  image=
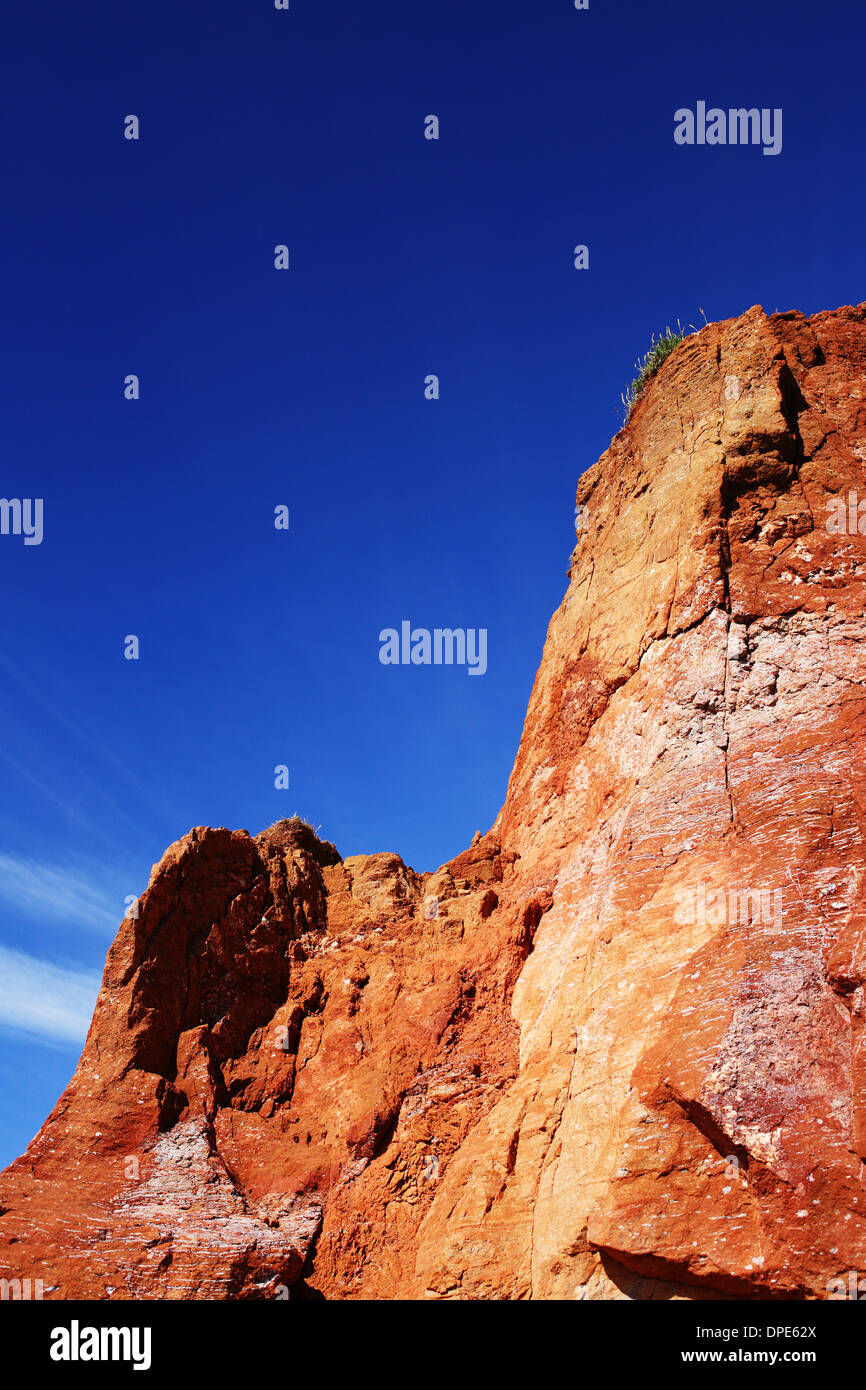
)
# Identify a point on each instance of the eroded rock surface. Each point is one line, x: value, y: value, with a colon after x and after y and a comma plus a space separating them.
x: 614, y: 1049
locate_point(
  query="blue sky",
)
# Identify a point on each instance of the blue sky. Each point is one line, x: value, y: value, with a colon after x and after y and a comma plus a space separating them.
x: 306, y: 388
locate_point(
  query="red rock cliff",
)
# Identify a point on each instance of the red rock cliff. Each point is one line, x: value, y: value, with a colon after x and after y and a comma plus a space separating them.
x: 613, y: 1049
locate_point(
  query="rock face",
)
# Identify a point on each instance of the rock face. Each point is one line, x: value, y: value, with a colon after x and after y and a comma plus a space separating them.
x: 615, y: 1049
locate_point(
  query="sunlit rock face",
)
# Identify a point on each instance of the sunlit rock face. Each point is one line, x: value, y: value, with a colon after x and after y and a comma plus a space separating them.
x: 613, y: 1049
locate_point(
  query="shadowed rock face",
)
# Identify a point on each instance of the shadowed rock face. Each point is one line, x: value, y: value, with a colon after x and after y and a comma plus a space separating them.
x: 613, y: 1049
x: 280, y: 1034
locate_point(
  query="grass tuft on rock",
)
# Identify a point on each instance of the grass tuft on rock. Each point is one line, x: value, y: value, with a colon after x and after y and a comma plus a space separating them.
x: 647, y: 366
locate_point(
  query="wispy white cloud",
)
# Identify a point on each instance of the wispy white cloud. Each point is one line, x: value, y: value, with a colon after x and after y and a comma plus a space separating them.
x: 50, y: 892
x: 96, y: 749
x: 50, y: 1001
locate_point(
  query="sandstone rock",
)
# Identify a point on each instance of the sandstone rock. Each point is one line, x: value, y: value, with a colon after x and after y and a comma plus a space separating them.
x: 615, y: 1048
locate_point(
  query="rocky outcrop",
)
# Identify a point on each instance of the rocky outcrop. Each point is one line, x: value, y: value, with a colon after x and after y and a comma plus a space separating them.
x: 286, y: 1051
x: 615, y: 1048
